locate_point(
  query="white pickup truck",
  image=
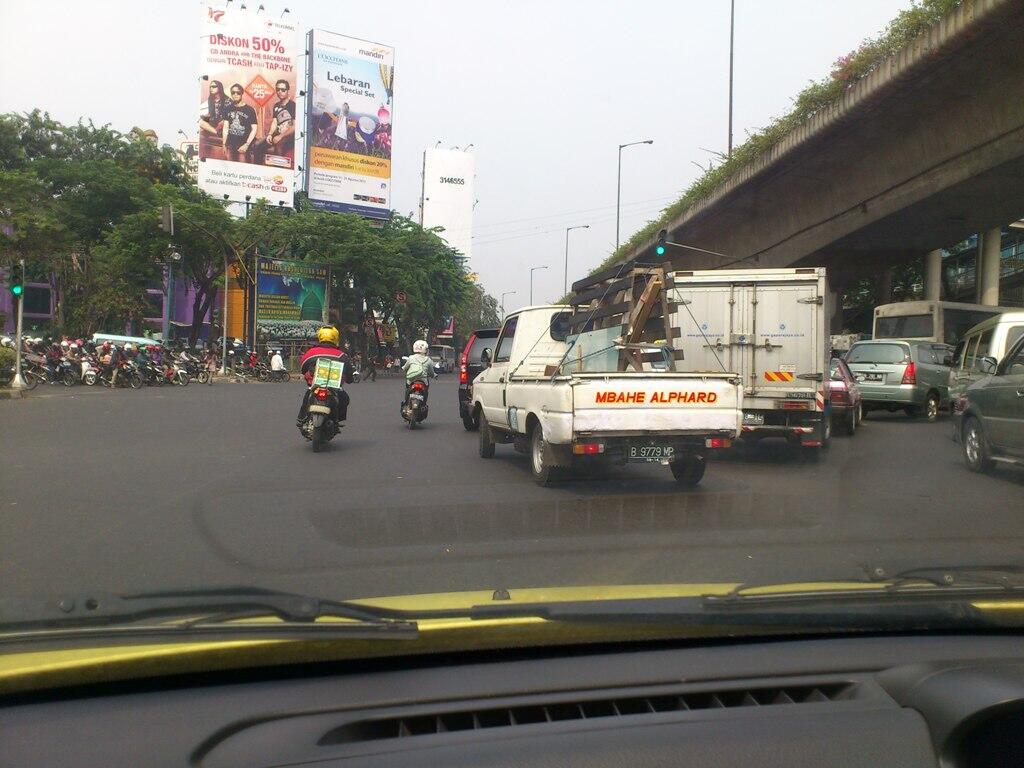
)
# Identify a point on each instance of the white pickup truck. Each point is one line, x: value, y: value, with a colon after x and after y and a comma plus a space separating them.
x: 538, y: 393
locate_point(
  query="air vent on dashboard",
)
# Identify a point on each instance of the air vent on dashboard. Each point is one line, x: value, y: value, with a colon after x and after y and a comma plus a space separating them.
x: 531, y: 714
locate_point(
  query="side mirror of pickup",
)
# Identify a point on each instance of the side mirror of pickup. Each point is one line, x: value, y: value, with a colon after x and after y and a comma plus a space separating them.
x: 485, y: 356
x: 987, y: 364
x: 948, y: 361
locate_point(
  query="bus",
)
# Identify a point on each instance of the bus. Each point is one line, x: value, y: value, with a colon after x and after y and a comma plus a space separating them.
x: 939, y: 321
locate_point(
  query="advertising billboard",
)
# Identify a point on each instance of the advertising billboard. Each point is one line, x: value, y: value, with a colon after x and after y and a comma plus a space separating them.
x: 291, y: 298
x: 349, y: 91
x: 247, y: 115
x: 448, y: 196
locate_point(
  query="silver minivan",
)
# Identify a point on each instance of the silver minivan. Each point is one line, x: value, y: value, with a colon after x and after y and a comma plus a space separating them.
x: 893, y: 375
x: 977, y: 354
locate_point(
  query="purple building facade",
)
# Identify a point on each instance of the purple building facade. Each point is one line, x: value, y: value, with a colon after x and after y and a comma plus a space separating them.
x: 39, y: 310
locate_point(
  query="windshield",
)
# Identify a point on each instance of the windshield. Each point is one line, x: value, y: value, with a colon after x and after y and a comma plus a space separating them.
x: 877, y: 353
x: 230, y: 232
x: 904, y: 327
x: 480, y: 343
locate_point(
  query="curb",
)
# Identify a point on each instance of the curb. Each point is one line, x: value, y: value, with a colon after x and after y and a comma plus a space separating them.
x: 11, y: 394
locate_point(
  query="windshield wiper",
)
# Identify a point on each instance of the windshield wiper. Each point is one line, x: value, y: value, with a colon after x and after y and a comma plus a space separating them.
x: 932, y: 598
x: 199, y: 614
x: 929, y: 582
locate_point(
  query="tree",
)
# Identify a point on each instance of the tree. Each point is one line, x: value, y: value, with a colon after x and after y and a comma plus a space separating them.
x: 66, y: 188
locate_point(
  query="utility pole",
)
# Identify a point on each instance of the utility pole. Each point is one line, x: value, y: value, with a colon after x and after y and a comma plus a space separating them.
x: 224, y: 324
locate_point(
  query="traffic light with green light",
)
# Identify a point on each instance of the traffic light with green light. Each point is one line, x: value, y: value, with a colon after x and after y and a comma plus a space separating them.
x: 660, y: 247
x: 17, y: 287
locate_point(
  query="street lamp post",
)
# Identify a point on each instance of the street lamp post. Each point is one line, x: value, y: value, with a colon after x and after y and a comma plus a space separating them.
x: 732, y: 28
x: 506, y: 293
x: 618, y: 186
x: 565, y: 279
x: 532, y: 270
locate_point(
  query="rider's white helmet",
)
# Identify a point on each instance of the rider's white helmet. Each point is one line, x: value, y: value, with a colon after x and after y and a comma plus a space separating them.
x: 6, y: 342
x: 420, y: 347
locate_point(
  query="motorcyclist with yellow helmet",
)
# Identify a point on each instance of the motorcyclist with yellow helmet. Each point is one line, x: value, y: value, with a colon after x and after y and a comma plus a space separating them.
x: 327, y: 346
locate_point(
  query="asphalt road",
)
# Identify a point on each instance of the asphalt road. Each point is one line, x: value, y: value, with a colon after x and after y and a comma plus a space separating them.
x: 212, y: 486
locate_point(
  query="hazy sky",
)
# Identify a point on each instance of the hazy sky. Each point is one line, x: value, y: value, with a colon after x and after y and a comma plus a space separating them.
x: 545, y: 91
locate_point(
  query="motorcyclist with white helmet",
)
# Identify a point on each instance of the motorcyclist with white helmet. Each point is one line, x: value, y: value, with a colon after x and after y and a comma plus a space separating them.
x: 417, y: 366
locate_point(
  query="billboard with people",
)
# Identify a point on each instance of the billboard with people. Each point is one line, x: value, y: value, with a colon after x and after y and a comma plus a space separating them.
x: 247, y: 114
x: 291, y: 299
x: 350, y: 93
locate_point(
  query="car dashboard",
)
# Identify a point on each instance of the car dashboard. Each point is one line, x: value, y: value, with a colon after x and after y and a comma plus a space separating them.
x: 891, y: 702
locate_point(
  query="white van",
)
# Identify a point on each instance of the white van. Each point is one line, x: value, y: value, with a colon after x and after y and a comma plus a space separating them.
x: 443, y: 357
x: 978, y: 352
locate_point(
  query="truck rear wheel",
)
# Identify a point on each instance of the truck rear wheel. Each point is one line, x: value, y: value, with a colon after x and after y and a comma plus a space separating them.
x: 486, y: 440
x: 688, y: 470
x: 541, y: 460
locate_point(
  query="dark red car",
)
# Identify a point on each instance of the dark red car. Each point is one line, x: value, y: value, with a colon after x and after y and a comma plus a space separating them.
x: 844, y: 397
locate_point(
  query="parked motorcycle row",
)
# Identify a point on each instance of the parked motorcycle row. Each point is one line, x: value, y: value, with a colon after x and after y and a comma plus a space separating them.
x: 87, y: 363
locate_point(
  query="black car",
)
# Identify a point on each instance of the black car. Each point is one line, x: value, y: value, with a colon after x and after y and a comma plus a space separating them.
x: 469, y: 367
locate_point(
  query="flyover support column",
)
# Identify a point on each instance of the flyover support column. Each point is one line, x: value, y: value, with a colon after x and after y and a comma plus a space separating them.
x: 883, y: 288
x: 933, y: 275
x: 988, y: 267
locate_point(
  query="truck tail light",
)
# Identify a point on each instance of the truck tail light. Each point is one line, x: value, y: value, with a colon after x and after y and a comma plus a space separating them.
x: 794, y: 405
x: 588, y: 449
x: 718, y: 442
x: 910, y: 374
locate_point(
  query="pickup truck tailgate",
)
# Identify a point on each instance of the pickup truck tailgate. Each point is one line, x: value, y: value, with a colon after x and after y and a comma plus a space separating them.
x: 642, y: 403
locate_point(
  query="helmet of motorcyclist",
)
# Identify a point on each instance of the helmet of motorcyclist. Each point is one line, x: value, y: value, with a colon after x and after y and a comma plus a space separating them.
x: 420, y: 347
x: 328, y: 335
x: 106, y: 345
x: 6, y: 342
x: 129, y: 347
x: 64, y: 344
x: 74, y: 345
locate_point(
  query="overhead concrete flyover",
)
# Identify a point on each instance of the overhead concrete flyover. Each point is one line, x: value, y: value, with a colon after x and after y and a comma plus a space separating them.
x: 920, y: 154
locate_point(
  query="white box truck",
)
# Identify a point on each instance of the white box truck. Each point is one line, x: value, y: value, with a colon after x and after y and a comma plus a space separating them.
x: 771, y: 326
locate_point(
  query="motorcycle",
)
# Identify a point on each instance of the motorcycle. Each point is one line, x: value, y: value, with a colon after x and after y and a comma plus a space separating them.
x: 90, y: 371
x: 66, y: 373
x: 194, y: 367
x: 29, y: 380
x: 414, y: 410
x: 128, y: 376
x: 320, y: 425
x: 152, y: 375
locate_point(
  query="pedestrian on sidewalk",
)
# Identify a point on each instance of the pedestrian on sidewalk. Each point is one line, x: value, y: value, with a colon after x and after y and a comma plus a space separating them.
x: 210, y: 360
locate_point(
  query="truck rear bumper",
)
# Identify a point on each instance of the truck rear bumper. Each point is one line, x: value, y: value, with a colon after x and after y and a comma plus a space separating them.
x: 806, y: 426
